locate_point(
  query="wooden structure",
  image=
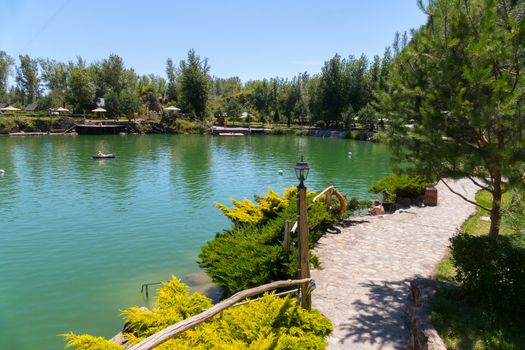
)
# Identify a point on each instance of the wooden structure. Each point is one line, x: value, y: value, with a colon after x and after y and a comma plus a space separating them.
x: 304, y: 245
x: 172, y: 331
x: 216, y: 130
x: 431, y: 196
x: 100, y: 129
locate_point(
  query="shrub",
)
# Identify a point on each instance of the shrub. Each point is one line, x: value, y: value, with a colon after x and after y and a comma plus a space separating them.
x: 189, y: 127
x: 89, y: 342
x: 492, y: 268
x: 320, y: 124
x: 251, y: 252
x: 401, y: 187
x: 247, y: 212
x: 270, y: 323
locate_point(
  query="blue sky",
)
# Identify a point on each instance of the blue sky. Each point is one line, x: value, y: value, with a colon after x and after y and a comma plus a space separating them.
x: 246, y: 38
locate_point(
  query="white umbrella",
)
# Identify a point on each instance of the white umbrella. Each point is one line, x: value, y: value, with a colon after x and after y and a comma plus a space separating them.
x: 172, y: 108
x: 9, y: 108
x: 62, y: 109
x: 99, y: 110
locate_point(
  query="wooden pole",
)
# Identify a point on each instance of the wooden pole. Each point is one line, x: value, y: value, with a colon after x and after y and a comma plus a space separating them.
x: 328, y: 199
x: 286, y: 241
x: 304, y: 242
x: 177, y: 328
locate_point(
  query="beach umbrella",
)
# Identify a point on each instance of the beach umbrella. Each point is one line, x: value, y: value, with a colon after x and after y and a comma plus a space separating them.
x: 62, y: 109
x: 9, y: 108
x: 99, y: 110
x: 172, y: 109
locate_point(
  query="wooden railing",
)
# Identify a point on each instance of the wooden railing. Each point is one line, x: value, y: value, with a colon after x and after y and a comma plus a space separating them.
x: 168, y: 333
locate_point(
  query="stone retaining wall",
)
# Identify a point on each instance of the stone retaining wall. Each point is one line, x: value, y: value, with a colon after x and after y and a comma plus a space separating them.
x: 422, y: 334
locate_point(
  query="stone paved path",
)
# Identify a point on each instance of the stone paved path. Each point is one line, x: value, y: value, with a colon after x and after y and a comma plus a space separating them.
x: 366, y: 268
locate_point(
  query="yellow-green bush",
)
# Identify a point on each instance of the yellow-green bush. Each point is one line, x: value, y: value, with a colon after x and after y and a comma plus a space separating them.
x: 251, y: 252
x: 270, y: 323
x: 247, y: 212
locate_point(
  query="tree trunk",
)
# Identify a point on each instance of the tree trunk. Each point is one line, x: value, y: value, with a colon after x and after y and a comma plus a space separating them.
x: 495, y: 213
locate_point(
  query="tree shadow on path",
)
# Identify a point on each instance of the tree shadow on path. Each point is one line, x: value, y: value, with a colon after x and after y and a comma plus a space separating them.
x: 354, y: 222
x: 379, y: 316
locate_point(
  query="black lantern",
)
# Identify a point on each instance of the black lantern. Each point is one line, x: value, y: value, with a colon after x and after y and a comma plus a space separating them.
x: 301, y: 171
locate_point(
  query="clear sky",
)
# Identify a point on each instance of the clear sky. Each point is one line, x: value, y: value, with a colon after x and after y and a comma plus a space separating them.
x: 245, y: 38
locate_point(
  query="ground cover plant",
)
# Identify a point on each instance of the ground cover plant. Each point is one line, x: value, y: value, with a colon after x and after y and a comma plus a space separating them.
x: 269, y: 323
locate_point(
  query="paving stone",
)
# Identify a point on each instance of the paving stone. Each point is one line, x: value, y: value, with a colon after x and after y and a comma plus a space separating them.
x: 366, y: 268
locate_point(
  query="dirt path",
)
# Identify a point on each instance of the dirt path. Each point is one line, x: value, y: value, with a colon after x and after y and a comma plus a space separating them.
x: 363, y: 284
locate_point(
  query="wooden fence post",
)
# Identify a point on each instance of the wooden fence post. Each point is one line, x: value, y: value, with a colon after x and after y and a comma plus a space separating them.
x: 286, y: 240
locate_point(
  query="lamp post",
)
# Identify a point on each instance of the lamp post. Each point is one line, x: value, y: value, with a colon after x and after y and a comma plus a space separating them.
x: 301, y: 171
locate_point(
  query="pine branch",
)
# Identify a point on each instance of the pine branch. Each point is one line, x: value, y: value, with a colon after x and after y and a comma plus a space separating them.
x: 465, y: 198
x: 486, y: 188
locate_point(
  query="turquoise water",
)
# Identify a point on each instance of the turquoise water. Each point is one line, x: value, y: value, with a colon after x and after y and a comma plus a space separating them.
x: 78, y: 237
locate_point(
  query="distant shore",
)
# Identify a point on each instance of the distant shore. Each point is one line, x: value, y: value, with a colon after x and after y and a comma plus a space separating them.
x: 41, y: 126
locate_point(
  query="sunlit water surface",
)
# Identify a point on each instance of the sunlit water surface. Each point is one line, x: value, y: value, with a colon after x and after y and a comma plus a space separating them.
x: 78, y: 237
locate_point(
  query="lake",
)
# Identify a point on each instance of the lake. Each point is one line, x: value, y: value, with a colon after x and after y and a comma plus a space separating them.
x: 78, y: 237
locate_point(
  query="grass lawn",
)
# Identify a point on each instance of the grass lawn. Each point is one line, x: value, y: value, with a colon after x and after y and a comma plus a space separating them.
x: 465, y: 323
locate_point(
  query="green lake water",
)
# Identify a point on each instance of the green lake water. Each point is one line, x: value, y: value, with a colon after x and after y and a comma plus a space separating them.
x: 78, y: 237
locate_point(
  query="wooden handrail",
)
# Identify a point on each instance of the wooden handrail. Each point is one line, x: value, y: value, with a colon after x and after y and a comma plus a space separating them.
x: 177, y: 328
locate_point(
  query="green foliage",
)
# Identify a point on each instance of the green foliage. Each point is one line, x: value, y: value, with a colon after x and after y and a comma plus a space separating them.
x: 469, y: 319
x: 193, y: 84
x: 269, y: 323
x: 492, y: 268
x: 27, y: 79
x: 251, y: 252
x: 246, y: 211
x: 188, y: 127
x: 459, y: 84
x: 357, y: 135
x: 514, y: 211
x: 401, y: 187
x: 464, y: 323
x: 89, y: 342
x: 173, y: 305
x: 6, y: 62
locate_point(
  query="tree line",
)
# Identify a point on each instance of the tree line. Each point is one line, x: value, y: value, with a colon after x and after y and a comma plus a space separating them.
x: 341, y: 93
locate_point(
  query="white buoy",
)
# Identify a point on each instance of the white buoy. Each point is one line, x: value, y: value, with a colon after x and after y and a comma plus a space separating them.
x: 280, y: 172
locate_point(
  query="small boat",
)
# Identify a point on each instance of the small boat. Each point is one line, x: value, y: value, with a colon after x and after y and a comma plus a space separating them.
x: 104, y: 155
x: 231, y: 134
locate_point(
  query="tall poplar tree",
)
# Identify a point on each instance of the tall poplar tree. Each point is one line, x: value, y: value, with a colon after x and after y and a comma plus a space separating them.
x: 27, y: 79
x: 194, y: 84
x: 6, y: 62
x: 460, y: 83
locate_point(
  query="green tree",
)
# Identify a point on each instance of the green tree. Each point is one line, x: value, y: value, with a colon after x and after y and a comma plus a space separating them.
x: 6, y: 62
x: 81, y: 88
x: 55, y: 77
x: 333, y: 89
x: 171, y: 73
x: 194, y: 84
x: 359, y: 85
x: 460, y: 83
x: 27, y: 79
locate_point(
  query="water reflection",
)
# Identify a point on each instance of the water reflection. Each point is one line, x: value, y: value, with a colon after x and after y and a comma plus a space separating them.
x: 87, y: 233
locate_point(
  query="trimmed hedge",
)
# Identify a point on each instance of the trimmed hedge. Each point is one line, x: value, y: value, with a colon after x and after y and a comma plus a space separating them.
x: 492, y: 268
x: 401, y: 187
